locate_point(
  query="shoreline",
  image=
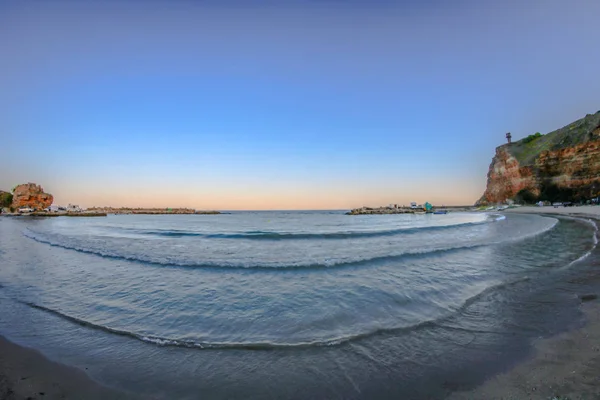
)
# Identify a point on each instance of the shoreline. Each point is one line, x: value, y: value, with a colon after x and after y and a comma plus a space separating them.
x: 575, y: 211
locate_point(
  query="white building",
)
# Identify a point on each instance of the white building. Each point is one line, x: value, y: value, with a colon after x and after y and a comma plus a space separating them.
x: 73, y: 208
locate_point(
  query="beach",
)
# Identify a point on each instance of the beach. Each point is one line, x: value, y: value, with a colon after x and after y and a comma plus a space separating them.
x: 26, y: 374
x: 575, y: 211
x: 566, y: 366
x: 485, y: 349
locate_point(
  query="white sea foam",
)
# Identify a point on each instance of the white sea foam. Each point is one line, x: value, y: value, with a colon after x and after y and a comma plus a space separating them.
x: 595, y: 241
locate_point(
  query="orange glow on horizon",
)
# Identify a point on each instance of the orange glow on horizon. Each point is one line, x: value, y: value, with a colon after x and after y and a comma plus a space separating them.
x: 265, y: 199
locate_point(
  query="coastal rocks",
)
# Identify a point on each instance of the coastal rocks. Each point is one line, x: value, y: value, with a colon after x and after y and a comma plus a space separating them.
x: 379, y: 210
x: 563, y: 165
x: 32, y: 196
x: 403, y: 210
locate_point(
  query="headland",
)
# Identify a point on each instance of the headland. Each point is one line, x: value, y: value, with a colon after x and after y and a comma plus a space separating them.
x: 560, y: 166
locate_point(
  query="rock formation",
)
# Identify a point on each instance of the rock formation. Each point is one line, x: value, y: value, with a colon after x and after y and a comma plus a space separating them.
x: 563, y: 165
x: 32, y: 196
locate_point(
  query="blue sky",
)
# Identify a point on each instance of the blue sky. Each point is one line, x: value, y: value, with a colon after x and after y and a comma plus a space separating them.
x: 299, y: 104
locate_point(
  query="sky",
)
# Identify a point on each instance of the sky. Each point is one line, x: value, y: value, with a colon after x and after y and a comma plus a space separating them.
x: 310, y: 104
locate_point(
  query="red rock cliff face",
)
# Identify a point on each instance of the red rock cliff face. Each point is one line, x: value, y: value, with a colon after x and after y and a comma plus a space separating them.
x: 575, y: 168
x: 561, y: 166
x: 32, y: 196
x: 506, y: 178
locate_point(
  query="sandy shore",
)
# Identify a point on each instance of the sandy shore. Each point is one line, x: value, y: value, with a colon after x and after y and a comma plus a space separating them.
x: 581, y: 211
x: 563, y: 367
x: 26, y: 374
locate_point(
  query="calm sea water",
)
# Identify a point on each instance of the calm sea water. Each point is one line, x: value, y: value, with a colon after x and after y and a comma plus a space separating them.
x: 279, y: 304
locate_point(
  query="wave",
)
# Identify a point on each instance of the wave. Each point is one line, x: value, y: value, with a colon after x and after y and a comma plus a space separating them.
x: 352, y: 263
x: 266, y: 345
x: 266, y: 235
x: 168, y: 342
x: 316, y: 266
x: 595, y: 243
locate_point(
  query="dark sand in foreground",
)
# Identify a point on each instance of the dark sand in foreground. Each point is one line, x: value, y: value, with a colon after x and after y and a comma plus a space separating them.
x: 566, y: 366
x: 27, y: 374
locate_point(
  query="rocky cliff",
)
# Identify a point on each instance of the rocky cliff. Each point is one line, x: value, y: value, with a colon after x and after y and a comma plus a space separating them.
x: 563, y: 165
x: 32, y: 196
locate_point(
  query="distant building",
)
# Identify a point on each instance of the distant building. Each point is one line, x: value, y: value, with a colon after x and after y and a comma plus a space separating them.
x: 508, y: 137
x: 54, y: 208
x: 73, y: 208
x: 413, y: 205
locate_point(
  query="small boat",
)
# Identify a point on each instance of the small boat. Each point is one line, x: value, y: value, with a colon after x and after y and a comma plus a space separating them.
x: 441, y: 212
x: 419, y: 212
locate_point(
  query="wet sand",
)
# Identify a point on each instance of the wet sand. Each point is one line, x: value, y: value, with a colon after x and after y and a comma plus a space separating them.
x: 581, y: 211
x: 566, y: 366
x: 27, y: 374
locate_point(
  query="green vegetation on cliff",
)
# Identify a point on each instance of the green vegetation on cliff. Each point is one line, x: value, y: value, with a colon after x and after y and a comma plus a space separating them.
x: 528, y: 149
x: 5, y: 199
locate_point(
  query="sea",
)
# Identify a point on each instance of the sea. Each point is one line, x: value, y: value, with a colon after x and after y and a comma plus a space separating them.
x: 292, y: 304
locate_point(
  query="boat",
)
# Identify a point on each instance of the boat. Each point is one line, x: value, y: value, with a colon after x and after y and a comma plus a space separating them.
x: 419, y: 212
x: 441, y: 212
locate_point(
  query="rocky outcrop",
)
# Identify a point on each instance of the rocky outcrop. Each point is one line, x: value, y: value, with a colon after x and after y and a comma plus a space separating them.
x: 563, y: 165
x: 32, y: 196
